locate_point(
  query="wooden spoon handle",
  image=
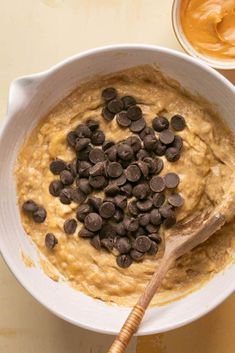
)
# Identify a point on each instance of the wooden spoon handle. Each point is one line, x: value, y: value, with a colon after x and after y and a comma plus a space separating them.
x: 128, y: 329
x: 135, y: 317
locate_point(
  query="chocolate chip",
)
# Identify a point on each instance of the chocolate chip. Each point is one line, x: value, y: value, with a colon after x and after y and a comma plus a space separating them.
x: 57, y: 166
x: 158, y: 199
x: 93, y: 222
x: 170, y: 220
x: 140, y: 231
x: 65, y: 196
x: 70, y: 226
x: 155, y: 237
x: 140, y: 191
x: 155, y: 217
x: 153, y: 249
x: 95, y: 241
x: 83, y: 169
x: 108, y: 230
x: 126, y: 189
x: 107, y: 243
x: 132, y: 208
x: 75, y: 195
x: 138, y: 125
x: 171, y: 180
x: 92, y: 124
x: 39, y: 215
x: 107, y: 210
x: 82, y: 143
x: 111, y: 153
x: 111, y: 190
x: 29, y: 206
x: 118, y: 215
x: 97, y: 138
x: 157, y: 184
x: 150, y: 142
x: 107, y: 144
x: 120, y: 201
x: 120, y: 229
x: 55, y: 187
x: 152, y: 228
x: 165, y: 210
x: 134, y: 112
x: 50, y: 241
x: 123, y: 245
x: 160, y: 123
x: 178, y: 142
x: 97, y: 182
x: 134, y: 142
x: 114, y: 169
x: 136, y: 255
x: 83, y: 155
x: 66, y: 177
x: 131, y: 224
x: 120, y: 180
x: 107, y: 115
x: 166, y: 137
x: 142, y: 243
x: 124, y: 260
x: 123, y: 120
x: 145, y: 132
x: 144, y: 205
x: 71, y: 138
x: 85, y: 233
x: 128, y: 101
x: 178, y: 122
x: 141, y: 154
x: 151, y: 163
x: 96, y: 155
x: 133, y: 173
x: 124, y: 164
x: 125, y: 152
x: 172, y: 154
x: 109, y: 93
x: 84, y: 186
x: 98, y: 169
x: 160, y: 148
x: 175, y: 200
x: 159, y: 165
x: 94, y: 202
x: 83, y: 130
x: 72, y: 167
x: 82, y: 211
x: 144, y: 219
x: 115, y: 105
x: 108, y: 199
x: 143, y: 168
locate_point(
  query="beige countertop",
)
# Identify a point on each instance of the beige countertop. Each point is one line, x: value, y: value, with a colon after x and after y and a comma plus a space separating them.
x: 33, y: 36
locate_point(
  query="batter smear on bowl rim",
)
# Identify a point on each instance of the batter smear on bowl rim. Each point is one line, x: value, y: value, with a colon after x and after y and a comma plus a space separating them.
x: 108, y: 172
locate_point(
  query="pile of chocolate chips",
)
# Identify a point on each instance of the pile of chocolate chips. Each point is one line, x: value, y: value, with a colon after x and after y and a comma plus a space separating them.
x: 129, y: 216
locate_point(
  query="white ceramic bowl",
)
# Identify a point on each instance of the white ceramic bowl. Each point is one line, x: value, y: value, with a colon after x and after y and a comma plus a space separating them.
x: 30, y: 98
x: 186, y: 45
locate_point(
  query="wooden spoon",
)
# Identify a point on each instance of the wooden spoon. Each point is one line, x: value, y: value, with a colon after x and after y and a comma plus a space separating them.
x: 184, y: 238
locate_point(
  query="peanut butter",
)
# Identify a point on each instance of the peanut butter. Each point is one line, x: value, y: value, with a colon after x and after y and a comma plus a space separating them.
x: 209, y: 25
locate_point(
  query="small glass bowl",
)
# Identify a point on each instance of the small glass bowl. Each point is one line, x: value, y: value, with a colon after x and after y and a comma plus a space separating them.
x: 186, y: 45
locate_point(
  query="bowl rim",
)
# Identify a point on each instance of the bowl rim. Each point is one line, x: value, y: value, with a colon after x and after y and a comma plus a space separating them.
x: 8, y: 119
x: 187, y: 46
